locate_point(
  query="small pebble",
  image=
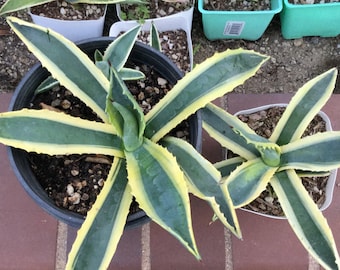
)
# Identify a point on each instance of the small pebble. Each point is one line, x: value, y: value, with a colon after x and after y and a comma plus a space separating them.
x: 161, y: 81
x: 62, y: 11
x: 101, y: 182
x: 74, y: 172
x: 298, y: 42
x: 75, y: 198
x: 85, y: 197
x: 269, y: 199
x: 70, y: 190
x: 65, y: 104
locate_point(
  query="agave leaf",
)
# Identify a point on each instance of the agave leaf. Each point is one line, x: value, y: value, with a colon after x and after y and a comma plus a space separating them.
x: 247, y: 181
x: 225, y: 167
x: 306, y: 219
x: 66, y: 61
x: 119, y: 93
x: 203, y: 180
x: 55, y: 133
x: 319, y: 152
x: 15, y: 5
x: 301, y: 173
x: 270, y: 152
x: 305, y: 104
x: 154, y: 38
x: 203, y: 177
x: 100, y: 233
x: 128, y: 74
x: 104, y: 66
x: 119, y: 50
x: 218, y: 75
x: 158, y: 185
x: 125, y: 73
x: 98, y: 56
x: 46, y: 85
x: 218, y: 122
x: 224, y: 209
x: 130, y: 136
x: 115, y: 118
x: 104, y: 62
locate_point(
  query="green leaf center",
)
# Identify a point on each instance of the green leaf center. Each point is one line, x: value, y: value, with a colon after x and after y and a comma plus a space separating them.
x: 270, y: 155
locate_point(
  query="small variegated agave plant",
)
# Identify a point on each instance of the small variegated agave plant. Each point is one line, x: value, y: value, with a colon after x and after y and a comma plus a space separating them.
x: 278, y: 161
x: 158, y: 170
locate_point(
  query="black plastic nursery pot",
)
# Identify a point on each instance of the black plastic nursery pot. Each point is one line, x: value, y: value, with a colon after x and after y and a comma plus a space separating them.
x: 24, y: 94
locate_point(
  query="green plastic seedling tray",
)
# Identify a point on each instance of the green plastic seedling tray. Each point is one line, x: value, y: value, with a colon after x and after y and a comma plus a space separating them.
x: 310, y: 20
x: 249, y: 25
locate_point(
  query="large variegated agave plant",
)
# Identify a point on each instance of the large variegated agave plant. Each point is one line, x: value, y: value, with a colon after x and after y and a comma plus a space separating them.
x: 158, y: 170
x: 278, y: 160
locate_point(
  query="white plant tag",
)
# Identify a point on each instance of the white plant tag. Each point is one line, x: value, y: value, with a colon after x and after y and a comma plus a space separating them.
x: 233, y: 28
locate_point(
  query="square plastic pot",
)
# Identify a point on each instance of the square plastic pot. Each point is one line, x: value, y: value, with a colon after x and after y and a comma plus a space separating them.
x: 74, y: 30
x: 171, y: 20
x: 310, y: 20
x: 163, y: 25
x: 249, y: 25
